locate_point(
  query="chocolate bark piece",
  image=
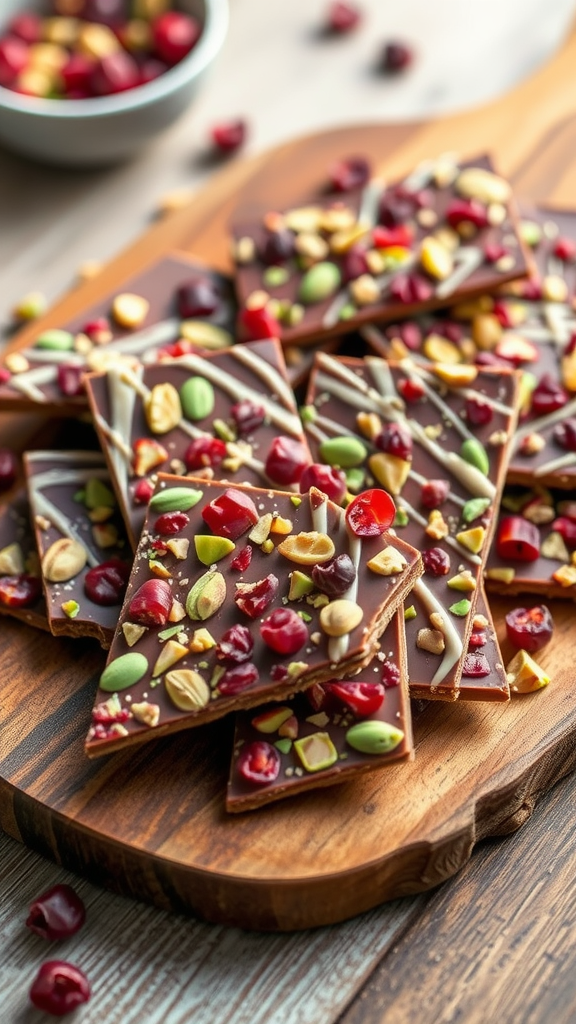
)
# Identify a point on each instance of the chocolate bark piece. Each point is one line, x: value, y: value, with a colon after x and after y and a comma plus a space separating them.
x: 311, y: 742
x: 174, y: 662
x: 443, y: 233
x: 78, y: 528
x: 21, y: 594
x: 546, y: 520
x: 409, y: 431
x: 91, y: 339
x: 236, y: 403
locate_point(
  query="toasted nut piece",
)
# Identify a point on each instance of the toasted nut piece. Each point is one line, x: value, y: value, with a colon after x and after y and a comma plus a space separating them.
x: 486, y: 331
x: 431, y: 640
x: 456, y: 376
x: 130, y: 310
x: 524, y: 675
x: 97, y: 40
x: 531, y: 444
x: 187, y: 689
x: 11, y: 560
x: 133, y: 632
x: 202, y: 640
x: 343, y: 240
x: 171, y: 652
x: 479, y: 183
x: 565, y: 575
x: 244, y: 250
x: 307, y: 548
x: 553, y: 546
x: 304, y: 218
x: 16, y: 362
x: 480, y: 621
x: 340, y: 617
x: 64, y: 559
x: 437, y: 621
x: 146, y: 713
x: 259, y: 533
x: 388, y: 562
x: 437, y: 526
x: 435, y: 258
x: 554, y: 288
x: 440, y: 350
x: 178, y: 546
x: 364, y: 290
x: 337, y: 218
x: 369, y: 424
x: 163, y: 409
x: 312, y: 245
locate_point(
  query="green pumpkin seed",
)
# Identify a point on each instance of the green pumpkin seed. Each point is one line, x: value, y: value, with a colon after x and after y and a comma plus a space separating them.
x: 343, y: 451
x: 319, y: 283
x: 97, y: 495
x: 197, y: 398
x: 475, y: 453
x: 123, y: 672
x: 374, y: 737
x: 175, y: 499
x: 474, y: 508
x: 461, y: 607
x: 210, y: 549
x: 56, y: 340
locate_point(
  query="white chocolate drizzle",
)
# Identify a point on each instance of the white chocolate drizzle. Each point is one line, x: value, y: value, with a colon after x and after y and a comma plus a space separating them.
x: 544, y: 422
x: 467, y: 259
x: 454, y: 648
x: 461, y: 551
x: 471, y: 478
x: 555, y: 464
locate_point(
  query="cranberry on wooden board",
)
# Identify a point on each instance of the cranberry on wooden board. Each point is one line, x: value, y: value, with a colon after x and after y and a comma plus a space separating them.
x: 59, y: 987
x: 530, y: 629
x: 57, y: 913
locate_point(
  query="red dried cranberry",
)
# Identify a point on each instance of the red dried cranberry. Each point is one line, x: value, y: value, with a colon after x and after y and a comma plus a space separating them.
x: 143, y: 491
x: 363, y: 698
x: 5, y: 375
x: 279, y: 673
x: 203, y: 452
x: 174, y: 35
x: 254, y: 598
x: 26, y: 26
x: 390, y: 237
x: 198, y: 297
x: 530, y: 629
x: 8, y: 468
x: 478, y: 413
x: 259, y: 762
x: 390, y: 674
x: 151, y: 604
x: 354, y: 264
x: 476, y: 666
x: 286, y: 460
x: 105, y: 584
x: 98, y: 330
x: 468, y: 211
x: 77, y: 73
x: 284, y: 631
x: 395, y: 439
x: 114, y: 73
x: 247, y: 416
x: 501, y: 310
x: 258, y: 324
x: 336, y: 576
x: 571, y: 345
x: 488, y: 359
x: 326, y: 478
x: 371, y: 513
x: 104, y: 714
x: 20, y: 591
x: 396, y: 207
x: 411, y: 288
x: 151, y: 69
x: 342, y: 17
x: 242, y: 559
x: 434, y: 493
x: 494, y: 252
x: 396, y: 56
x: 238, y: 678
x: 57, y: 913
x: 436, y: 562
x: 228, y: 136
x: 517, y: 539
x: 477, y: 639
x: 70, y: 379
x: 411, y: 390
x: 532, y: 289
x: 348, y: 174
x: 170, y: 523
x: 59, y: 987
x: 177, y: 349
x: 565, y: 249
x: 278, y: 247
x: 565, y: 434
x: 13, y: 59
x: 548, y: 395
x: 236, y: 645
x: 230, y: 514
x: 567, y: 530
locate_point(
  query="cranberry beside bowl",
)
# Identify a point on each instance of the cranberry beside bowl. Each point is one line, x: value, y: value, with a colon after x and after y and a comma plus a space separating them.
x: 101, y: 130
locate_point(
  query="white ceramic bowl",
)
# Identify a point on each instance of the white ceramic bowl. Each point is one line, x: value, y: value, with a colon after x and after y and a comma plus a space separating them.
x: 103, y: 130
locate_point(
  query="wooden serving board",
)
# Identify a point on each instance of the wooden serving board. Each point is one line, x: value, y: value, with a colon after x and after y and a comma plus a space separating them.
x: 151, y: 823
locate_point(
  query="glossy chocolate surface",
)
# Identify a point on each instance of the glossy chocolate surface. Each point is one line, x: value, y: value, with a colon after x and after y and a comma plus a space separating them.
x: 15, y: 528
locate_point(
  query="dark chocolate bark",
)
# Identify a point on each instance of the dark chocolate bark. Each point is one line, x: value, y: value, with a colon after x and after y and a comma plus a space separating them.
x: 21, y: 593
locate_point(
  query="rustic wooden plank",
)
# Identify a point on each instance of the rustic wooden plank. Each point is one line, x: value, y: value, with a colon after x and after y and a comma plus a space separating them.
x: 498, y: 943
x: 174, y: 969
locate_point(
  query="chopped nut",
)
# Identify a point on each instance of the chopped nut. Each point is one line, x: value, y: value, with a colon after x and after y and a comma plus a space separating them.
x: 388, y: 562
x: 498, y: 438
x: 64, y: 559
x: 259, y: 533
x: 307, y: 548
x: 16, y: 362
x: 133, y: 632
x: 565, y: 575
x: 531, y: 444
x: 11, y: 560
x: 554, y: 288
x: 431, y: 640
x: 369, y: 424
x: 163, y: 408
x: 437, y: 621
x: 437, y: 526
x: 147, y: 714
x: 524, y: 675
x: 244, y: 250
x: 340, y: 617
x: 129, y: 310
x: 456, y: 376
x: 364, y: 290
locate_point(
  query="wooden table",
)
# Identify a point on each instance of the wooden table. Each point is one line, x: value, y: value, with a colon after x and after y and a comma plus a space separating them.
x: 496, y: 943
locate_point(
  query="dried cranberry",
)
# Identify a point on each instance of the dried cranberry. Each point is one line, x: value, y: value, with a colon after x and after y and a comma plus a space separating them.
x: 278, y: 247
x: 565, y: 249
x: 236, y: 645
x: 411, y: 288
x: 151, y: 604
x: 20, y: 591
x: 411, y: 390
x: 13, y: 59
x: 203, y: 452
x: 476, y: 666
x: 396, y: 56
x: 501, y: 310
x: 530, y: 629
x: 565, y: 434
x: 247, y: 416
x: 238, y: 678
x: 170, y: 523
x: 363, y: 698
x: 258, y: 324
x: 494, y: 252
x: 477, y: 412
x: 8, y: 468
x: 342, y: 17
x: 434, y: 493
x: 174, y: 35
x: 242, y: 559
x: 532, y: 289
x: 114, y: 73
x: 395, y: 439
x: 326, y: 478
x: 548, y: 395
x: 143, y: 492
x: 279, y: 673
x: 198, y: 297
x: 336, y: 576
x: 401, y: 235
x: 436, y: 562
x: 151, y: 69
x: 254, y: 598
x: 259, y: 762
x: 77, y: 73
x: 57, y: 913
x: 59, y: 987
x: 567, y: 530
x: 348, y: 174
x: 228, y: 136
x: 105, y: 714
x: 286, y: 460
x: 468, y: 211
x: 517, y: 539
x: 26, y: 26
x: 488, y: 359
x: 70, y: 379
x: 371, y: 513
x: 105, y: 584
x: 354, y: 264
x: 230, y: 514
x: 477, y: 639
x: 390, y: 674
x: 284, y: 631
x: 396, y: 207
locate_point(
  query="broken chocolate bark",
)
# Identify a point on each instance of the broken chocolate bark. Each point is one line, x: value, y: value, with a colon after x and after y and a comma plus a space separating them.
x: 21, y: 594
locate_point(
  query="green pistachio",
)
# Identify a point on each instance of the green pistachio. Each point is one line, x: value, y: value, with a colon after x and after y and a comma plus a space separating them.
x: 475, y: 453
x: 55, y: 340
x: 123, y: 672
x: 210, y: 549
x: 175, y: 499
x: 410, y: 613
x: 461, y: 608
x: 474, y: 508
x: 373, y: 737
x: 197, y: 398
x: 319, y: 283
x: 346, y: 452
x: 98, y: 495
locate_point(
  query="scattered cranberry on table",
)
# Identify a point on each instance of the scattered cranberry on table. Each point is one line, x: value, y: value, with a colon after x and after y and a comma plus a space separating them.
x: 57, y: 913
x: 59, y: 987
x: 396, y: 56
x: 342, y: 17
x: 530, y: 629
x: 228, y: 136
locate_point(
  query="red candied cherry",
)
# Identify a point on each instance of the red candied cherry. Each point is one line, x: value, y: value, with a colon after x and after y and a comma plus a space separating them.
x: 410, y: 288
x: 114, y: 73
x: 434, y: 493
x: 20, y: 591
x: 284, y: 631
x: 567, y: 530
x: 390, y: 674
x: 286, y: 460
x: 57, y: 913
x: 105, y: 584
x: 236, y: 645
x: 565, y: 249
x: 143, y: 492
x: 278, y: 247
x: 230, y: 514
x: 348, y: 174
x: 411, y: 390
x: 411, y: 336
x: 477, y: 639
x: 362, y: 698
x: 77, y: 74
x: 436, y: 562
x: 395, y: 439
x: 548, y: 395
x: 530, y: 629
x: 342, y: 17
x: 390, y: 237
x: 203, y: 452
x: 242, y: 559
x: 517, y: 539
x: 259, y: 762
x: 254, y: 598
x: 354, y: 264
x: 26, y: 26
x: 565, y: 434
x: 371, y: 513
x: 13, y: 59
x: 477, y: 412
x: 170, y: 523
x: 247, y: 416
x: 326, y: 478
x: 336, y: 576
x: 70, y: 379
x: 238, y: 678
x: 396, y: 56
x: 476, y: 666
x: 59, y: 987
x: 258, y: 324
x: 466, y: 211
x: 198, y: 297
x: 151, y: 604
x: 228, y: 136
x: 8, y: 468
x: 174, y: 35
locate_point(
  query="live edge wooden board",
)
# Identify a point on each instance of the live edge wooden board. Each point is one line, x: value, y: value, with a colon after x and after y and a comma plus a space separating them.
x: 150, y: 823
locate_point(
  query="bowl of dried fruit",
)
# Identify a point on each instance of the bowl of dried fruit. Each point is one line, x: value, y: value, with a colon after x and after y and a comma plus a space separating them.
x: 88, y: 82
